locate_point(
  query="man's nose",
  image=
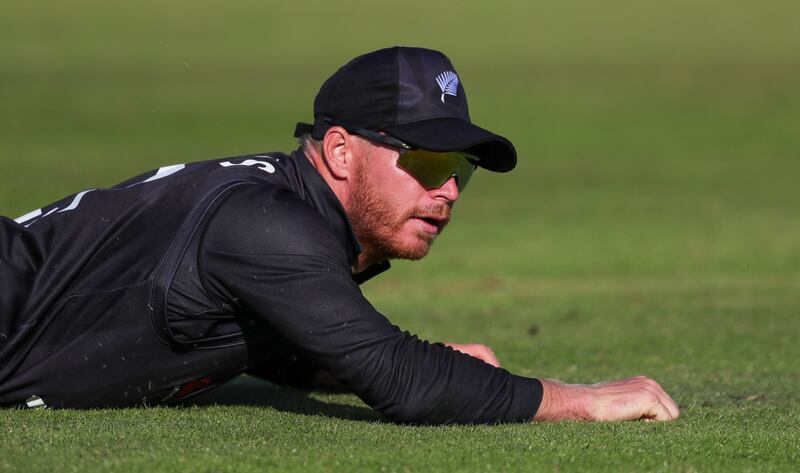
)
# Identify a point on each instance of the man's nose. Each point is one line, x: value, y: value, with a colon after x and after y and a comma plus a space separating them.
x: 448, y: 190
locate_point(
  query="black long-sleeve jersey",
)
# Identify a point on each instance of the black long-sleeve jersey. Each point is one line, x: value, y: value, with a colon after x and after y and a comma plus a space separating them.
x: 181, y: 278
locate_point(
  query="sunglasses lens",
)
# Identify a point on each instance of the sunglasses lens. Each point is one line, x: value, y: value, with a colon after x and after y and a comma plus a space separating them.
x: 432, y: 170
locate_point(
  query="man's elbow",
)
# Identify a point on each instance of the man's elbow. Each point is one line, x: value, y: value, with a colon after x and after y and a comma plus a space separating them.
x: 404, y: 414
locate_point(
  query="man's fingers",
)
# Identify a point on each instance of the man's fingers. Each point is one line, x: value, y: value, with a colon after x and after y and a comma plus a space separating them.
x: 491, y: 358
x: 663, y: 398
x: 486, y: 356
x: 672, y: 407
x: 659, y: 412
x: 481, y: 352
x: 661, y: 406
x: 634, y: 398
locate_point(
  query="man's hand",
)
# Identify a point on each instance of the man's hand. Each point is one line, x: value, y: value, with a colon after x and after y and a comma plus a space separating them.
x: 481, y: 352
x: 637, y: 398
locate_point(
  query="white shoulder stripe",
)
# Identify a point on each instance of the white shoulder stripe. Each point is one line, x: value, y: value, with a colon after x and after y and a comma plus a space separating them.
x: 28, y: 216
x: 75, y: 201
x: 164, y: 172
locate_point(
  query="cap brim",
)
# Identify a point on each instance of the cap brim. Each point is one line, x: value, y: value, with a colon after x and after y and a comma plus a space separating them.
x: 494, y: 152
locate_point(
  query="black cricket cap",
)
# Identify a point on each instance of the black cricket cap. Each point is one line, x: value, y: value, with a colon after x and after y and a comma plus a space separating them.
x: 412, y: 94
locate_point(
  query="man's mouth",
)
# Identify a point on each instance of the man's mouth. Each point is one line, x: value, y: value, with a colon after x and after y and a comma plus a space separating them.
x: 432, y: 224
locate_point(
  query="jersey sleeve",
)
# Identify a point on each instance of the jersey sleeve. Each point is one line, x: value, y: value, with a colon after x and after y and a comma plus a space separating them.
x: 273, y: 256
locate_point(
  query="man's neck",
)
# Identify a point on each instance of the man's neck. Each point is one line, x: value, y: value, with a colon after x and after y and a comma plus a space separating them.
x: 364, y: 261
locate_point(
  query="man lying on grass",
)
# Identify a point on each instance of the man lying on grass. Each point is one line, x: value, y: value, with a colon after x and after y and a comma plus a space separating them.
x: 180, y: 279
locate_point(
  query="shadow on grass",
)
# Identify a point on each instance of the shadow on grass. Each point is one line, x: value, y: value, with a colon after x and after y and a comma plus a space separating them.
x: 248, y: 391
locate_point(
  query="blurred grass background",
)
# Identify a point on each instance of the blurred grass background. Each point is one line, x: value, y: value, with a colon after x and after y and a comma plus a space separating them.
x: 650, y: 227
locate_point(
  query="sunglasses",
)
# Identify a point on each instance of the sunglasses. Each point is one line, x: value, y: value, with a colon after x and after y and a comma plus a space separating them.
x: 430, y: 168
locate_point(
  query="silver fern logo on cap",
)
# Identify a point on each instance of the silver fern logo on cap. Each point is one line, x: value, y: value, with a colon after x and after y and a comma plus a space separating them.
x: 448, y: 83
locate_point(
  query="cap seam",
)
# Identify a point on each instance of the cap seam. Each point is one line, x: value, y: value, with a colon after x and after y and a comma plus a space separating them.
x: 396, y: 84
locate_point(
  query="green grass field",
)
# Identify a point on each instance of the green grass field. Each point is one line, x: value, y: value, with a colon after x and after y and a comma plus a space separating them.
x: 651, y: 226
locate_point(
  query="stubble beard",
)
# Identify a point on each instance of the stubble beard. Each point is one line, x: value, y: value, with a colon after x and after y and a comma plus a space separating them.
x: 379, y: 229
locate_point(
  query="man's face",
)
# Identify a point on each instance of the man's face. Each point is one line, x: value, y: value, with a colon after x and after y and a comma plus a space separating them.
x: 392, y: 214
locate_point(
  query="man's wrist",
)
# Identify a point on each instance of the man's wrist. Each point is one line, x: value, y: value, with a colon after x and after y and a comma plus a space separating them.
x: 562, y: 401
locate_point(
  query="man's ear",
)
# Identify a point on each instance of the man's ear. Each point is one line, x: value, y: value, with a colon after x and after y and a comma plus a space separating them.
x: 338, y: 146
